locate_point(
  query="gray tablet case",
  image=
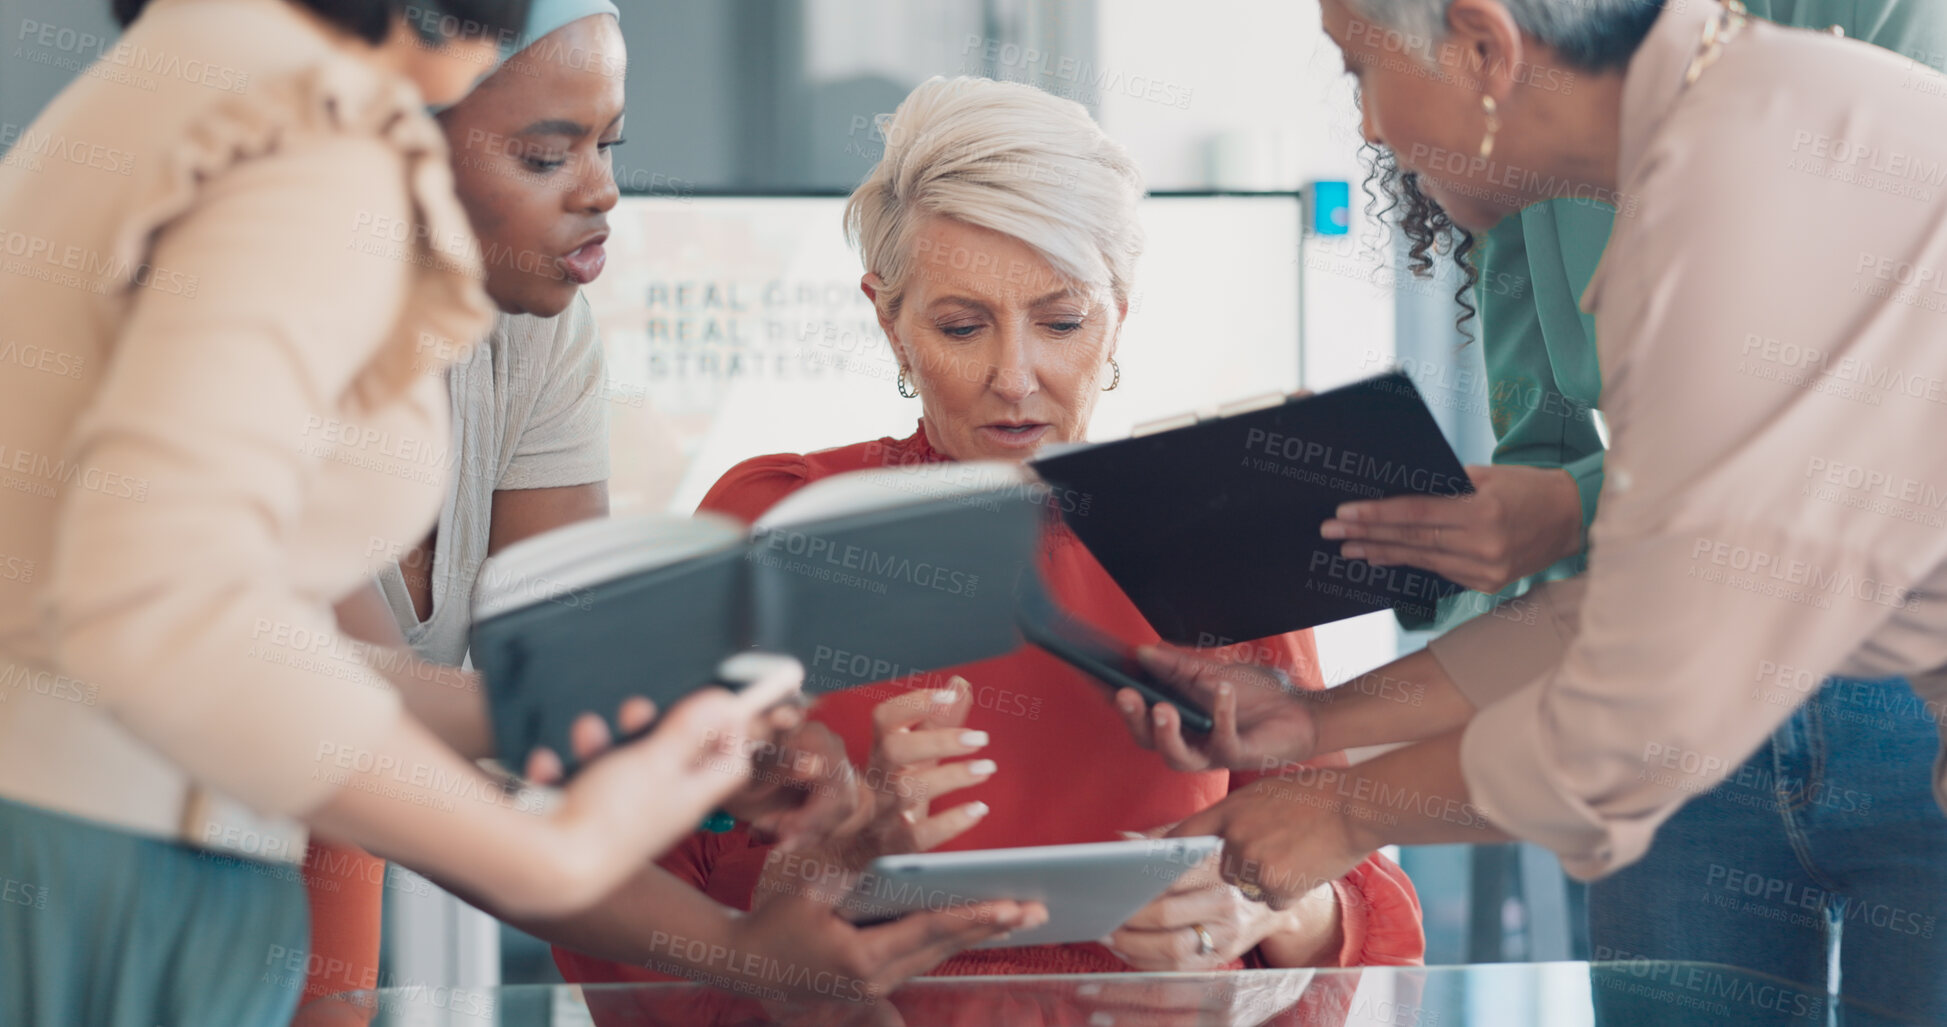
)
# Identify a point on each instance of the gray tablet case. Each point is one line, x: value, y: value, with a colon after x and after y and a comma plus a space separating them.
x: 1089, y: 889
x: 856, y: 598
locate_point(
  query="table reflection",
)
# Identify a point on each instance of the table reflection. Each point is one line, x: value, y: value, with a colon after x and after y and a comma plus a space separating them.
x: 1630, y: 994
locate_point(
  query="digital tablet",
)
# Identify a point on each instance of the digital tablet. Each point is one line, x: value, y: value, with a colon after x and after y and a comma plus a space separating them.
x: 1090, y: 890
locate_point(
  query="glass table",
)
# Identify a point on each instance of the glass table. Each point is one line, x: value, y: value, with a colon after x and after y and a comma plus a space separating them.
x: 1639, y: 993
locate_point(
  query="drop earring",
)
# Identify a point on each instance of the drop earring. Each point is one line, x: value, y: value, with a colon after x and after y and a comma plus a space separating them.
x: 1493, y: 112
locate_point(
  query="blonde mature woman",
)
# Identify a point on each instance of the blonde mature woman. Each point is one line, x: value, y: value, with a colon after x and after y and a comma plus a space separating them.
x: 532, y: 167
x: 1000, y: 236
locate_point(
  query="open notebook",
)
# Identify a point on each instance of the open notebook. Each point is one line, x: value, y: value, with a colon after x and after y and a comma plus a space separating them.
x: 863, y: 577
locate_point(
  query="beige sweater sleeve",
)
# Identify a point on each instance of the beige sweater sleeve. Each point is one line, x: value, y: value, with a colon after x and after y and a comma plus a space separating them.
x: 1498, y: 653
x: 207, y: 401
x: 1725, y: 545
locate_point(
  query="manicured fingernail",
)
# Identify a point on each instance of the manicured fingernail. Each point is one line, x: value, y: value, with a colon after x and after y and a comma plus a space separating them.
x: 945, y: 695
x: 958, y: 683
x: 1349, y: 512
x: 977, y: 810
x: 1223, y: 689
x: 1331, y: 529
x: 982, y: 768
x: 973, y: 739
x: 1353, y: 551
x: 1157, y: 713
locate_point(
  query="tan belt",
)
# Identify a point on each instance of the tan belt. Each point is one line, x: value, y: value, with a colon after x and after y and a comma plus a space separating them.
x: 61, y: 751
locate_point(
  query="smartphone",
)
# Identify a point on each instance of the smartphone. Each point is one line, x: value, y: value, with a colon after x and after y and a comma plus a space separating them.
x: 1099, y: 655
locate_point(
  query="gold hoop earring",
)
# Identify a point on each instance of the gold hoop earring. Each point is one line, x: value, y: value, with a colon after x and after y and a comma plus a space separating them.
x: 1117, y: 380
x: 1493, y: 112
x: 904, y: 389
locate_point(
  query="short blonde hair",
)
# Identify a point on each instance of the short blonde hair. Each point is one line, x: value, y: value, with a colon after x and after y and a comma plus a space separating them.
x: 1005, y: 157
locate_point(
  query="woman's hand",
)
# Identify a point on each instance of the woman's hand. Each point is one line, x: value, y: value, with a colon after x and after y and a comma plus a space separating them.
x: 640, y: 797
x: 830, y: 958
x: 1259, y: 718
x: 526, y: 860
x: 588, y: 737
x: 1170, y: 933
x: 915, y: 737
x: 1517, y: 522
x: 1282, y: 840
x: 801, y: 790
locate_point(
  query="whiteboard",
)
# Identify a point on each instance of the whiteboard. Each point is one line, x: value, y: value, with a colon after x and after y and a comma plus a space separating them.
x: 734, y: 327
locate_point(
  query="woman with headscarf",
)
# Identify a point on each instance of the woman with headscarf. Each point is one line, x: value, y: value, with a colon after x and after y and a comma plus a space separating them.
x: 532, y: 157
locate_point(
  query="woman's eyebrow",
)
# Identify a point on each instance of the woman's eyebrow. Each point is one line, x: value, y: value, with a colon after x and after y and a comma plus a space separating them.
x: 555, y: 127
x: 1058, y: 294
x: 955, y: 300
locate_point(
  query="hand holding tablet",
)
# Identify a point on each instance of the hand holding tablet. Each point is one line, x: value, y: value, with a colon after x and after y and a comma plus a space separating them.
x: 1089, y: 889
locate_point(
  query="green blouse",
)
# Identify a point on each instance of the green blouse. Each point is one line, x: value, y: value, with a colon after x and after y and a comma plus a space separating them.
x: 1539, y: 346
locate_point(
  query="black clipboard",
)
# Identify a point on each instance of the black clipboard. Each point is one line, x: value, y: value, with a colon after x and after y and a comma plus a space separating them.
x: 1212, y: 528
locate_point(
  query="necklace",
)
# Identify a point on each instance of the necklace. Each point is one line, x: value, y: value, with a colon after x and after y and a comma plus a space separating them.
x: 1722, y: 27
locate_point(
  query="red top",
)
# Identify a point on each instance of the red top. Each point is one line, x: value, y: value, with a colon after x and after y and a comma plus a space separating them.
x: 1068, y: 770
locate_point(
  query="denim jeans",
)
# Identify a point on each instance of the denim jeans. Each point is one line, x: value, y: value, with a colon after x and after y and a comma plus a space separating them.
x: 1828, y: 835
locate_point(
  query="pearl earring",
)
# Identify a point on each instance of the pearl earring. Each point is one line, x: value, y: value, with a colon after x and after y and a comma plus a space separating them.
x: 1493, y: 112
